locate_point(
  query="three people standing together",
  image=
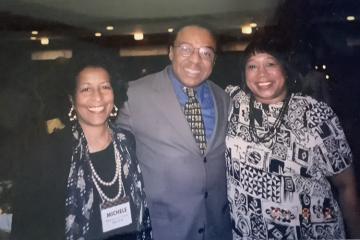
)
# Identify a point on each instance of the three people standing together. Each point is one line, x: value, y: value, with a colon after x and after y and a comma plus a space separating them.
x: 268, y: 180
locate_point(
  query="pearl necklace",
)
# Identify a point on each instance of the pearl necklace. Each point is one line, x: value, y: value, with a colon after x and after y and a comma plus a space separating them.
x: 98, y: 181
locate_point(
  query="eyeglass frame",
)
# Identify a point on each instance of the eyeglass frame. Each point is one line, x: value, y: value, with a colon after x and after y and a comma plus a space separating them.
x: 198, y: 51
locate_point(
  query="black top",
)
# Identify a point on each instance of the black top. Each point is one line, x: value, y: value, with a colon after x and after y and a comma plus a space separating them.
x: 104, y: 164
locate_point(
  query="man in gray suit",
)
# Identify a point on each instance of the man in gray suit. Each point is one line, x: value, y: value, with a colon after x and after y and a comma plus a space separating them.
x: 186, y: 189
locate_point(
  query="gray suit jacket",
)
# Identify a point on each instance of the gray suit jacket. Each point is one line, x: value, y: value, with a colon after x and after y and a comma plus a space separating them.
x: 186, y: 191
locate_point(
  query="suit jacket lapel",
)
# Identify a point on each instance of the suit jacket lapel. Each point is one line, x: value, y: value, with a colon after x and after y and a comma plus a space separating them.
x: 170, y: 108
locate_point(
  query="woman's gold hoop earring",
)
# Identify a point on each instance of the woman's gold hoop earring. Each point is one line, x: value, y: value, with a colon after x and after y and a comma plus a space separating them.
x: 114, y: 112
x: 72, y: 114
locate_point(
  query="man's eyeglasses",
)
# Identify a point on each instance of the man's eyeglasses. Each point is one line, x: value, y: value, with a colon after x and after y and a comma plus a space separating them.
x: 186, y: 50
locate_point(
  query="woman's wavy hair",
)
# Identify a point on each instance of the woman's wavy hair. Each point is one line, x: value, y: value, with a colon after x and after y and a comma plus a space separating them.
x: 278, y: 50
x: 98, y: 59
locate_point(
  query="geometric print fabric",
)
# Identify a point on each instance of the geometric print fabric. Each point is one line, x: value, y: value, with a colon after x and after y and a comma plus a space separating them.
x: 276, y: 176
x: 259, y: 183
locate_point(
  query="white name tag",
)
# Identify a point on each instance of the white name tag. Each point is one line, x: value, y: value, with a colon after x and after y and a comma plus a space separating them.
x: 116, y: 216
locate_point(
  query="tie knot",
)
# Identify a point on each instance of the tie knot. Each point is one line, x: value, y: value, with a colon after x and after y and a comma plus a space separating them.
x: 190, y: 92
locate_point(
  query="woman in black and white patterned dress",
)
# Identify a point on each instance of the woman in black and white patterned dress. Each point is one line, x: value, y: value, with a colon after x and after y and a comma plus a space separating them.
x: 282, y: 149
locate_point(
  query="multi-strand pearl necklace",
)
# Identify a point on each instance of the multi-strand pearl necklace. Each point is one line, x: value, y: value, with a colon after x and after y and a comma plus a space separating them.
x: 99, y: 182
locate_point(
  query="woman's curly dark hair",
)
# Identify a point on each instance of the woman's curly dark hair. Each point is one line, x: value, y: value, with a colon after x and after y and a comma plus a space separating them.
x: 98, y: 59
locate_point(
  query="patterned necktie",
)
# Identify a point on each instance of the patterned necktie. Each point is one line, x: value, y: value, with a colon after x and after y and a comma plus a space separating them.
x: 192, y: 111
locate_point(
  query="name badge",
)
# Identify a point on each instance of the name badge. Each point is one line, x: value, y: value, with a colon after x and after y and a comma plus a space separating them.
x: 115, y: 215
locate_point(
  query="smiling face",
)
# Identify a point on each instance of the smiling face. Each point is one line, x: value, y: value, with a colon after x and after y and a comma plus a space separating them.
x: 265, y: 78
x: 192, y: 70
x: 94, y: 97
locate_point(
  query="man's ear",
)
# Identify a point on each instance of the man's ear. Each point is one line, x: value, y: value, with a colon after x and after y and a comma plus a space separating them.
x: 171, y: 53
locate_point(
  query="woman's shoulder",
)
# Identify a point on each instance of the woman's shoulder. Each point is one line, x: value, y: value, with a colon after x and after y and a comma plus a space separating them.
x: 59, y: 139
x: 232, y: 88
x: 123, y: 133
x: 236, y: 93
x: 119, y: 130
x: 49, y: 142
x: 316, y: 111
x: 311, y: 102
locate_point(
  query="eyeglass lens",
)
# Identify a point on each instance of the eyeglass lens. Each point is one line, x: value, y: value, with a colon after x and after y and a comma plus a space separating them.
x: 187, y: 50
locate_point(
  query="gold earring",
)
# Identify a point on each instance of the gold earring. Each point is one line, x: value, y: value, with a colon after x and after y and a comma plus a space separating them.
x: 114, y: 112
x: 72, y: 114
